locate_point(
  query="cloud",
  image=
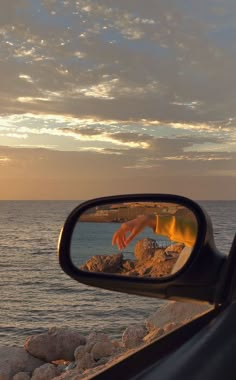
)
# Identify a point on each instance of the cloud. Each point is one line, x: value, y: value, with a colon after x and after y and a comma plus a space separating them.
x: 90, y: 173
x: 4, y: 160
x: 156, y: 62
x: 127, y: 140
x: 147, y: 137
x: 120, y: 87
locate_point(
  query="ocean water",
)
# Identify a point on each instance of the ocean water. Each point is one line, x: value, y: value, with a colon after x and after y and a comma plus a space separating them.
x: 91, y: 239
x: 36, y: 294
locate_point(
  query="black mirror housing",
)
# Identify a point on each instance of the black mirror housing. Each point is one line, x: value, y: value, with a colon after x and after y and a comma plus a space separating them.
x: 196, y: 281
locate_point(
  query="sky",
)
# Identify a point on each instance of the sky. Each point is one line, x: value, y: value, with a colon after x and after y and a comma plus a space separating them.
x: 102, y: 97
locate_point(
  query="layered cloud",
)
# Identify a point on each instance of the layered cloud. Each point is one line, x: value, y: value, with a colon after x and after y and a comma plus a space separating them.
x: 118, y: 60
x: 30, y: 172
x: 124, y: 87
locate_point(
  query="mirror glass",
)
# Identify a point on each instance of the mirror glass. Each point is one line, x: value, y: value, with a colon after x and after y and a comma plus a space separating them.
x: 148, y: 239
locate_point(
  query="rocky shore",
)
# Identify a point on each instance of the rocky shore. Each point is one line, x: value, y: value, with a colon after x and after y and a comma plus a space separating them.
x: 150, y: 260
x: 63, y: 353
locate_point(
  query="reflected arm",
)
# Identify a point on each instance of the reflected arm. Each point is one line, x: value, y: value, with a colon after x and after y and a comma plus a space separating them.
x: 134, y: 227
x: 176, y: 228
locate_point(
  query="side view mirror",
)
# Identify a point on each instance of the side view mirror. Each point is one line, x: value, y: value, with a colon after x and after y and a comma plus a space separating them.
x: 154, y: 245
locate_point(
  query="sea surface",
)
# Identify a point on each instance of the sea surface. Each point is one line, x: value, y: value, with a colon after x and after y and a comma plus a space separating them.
x: 34, y: 292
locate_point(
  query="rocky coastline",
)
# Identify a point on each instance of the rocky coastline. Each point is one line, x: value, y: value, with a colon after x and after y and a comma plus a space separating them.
x: 63, y: 353
x: 150, y: 260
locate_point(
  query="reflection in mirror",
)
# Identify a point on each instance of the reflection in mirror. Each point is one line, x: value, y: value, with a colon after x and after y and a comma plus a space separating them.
x: 146, y: 239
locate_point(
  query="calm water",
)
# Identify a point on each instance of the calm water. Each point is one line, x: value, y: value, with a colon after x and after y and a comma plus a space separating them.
x: 36, y: 294
x: 91, y: 239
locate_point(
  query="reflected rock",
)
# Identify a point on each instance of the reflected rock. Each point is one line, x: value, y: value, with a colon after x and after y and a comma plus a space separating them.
x: 104, y: 263
x: 174, y: 248
x: 158, y: 266
x: 145, y: 249
x: 149, y: 261
x: 128, y: 265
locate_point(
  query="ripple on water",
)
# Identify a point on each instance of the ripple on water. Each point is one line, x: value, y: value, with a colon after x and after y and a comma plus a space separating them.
x: 36, y: 294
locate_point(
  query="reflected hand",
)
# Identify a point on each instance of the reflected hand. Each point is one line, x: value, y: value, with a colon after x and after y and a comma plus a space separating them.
x: 133, y: 227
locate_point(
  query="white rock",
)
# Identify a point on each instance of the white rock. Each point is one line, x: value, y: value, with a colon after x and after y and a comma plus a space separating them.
x: 56, y: 344
x: 175, y: 312
x: 170, y: 327
x: 14, y: 360
x: 85, y: 362
x: 102, y: 349
x: 61, y: 367
x: 100, y: 345
x: 79, y: 352
x: 117, y: 345
x: 21, y: 376
x: 97, y: 337
x: 68, y: 375
x: 97, y: 347
x: 133, y: 336
x: 153, y: 335
x: 45, y: 372
x: 89, y: 346
x: 102, y: 361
